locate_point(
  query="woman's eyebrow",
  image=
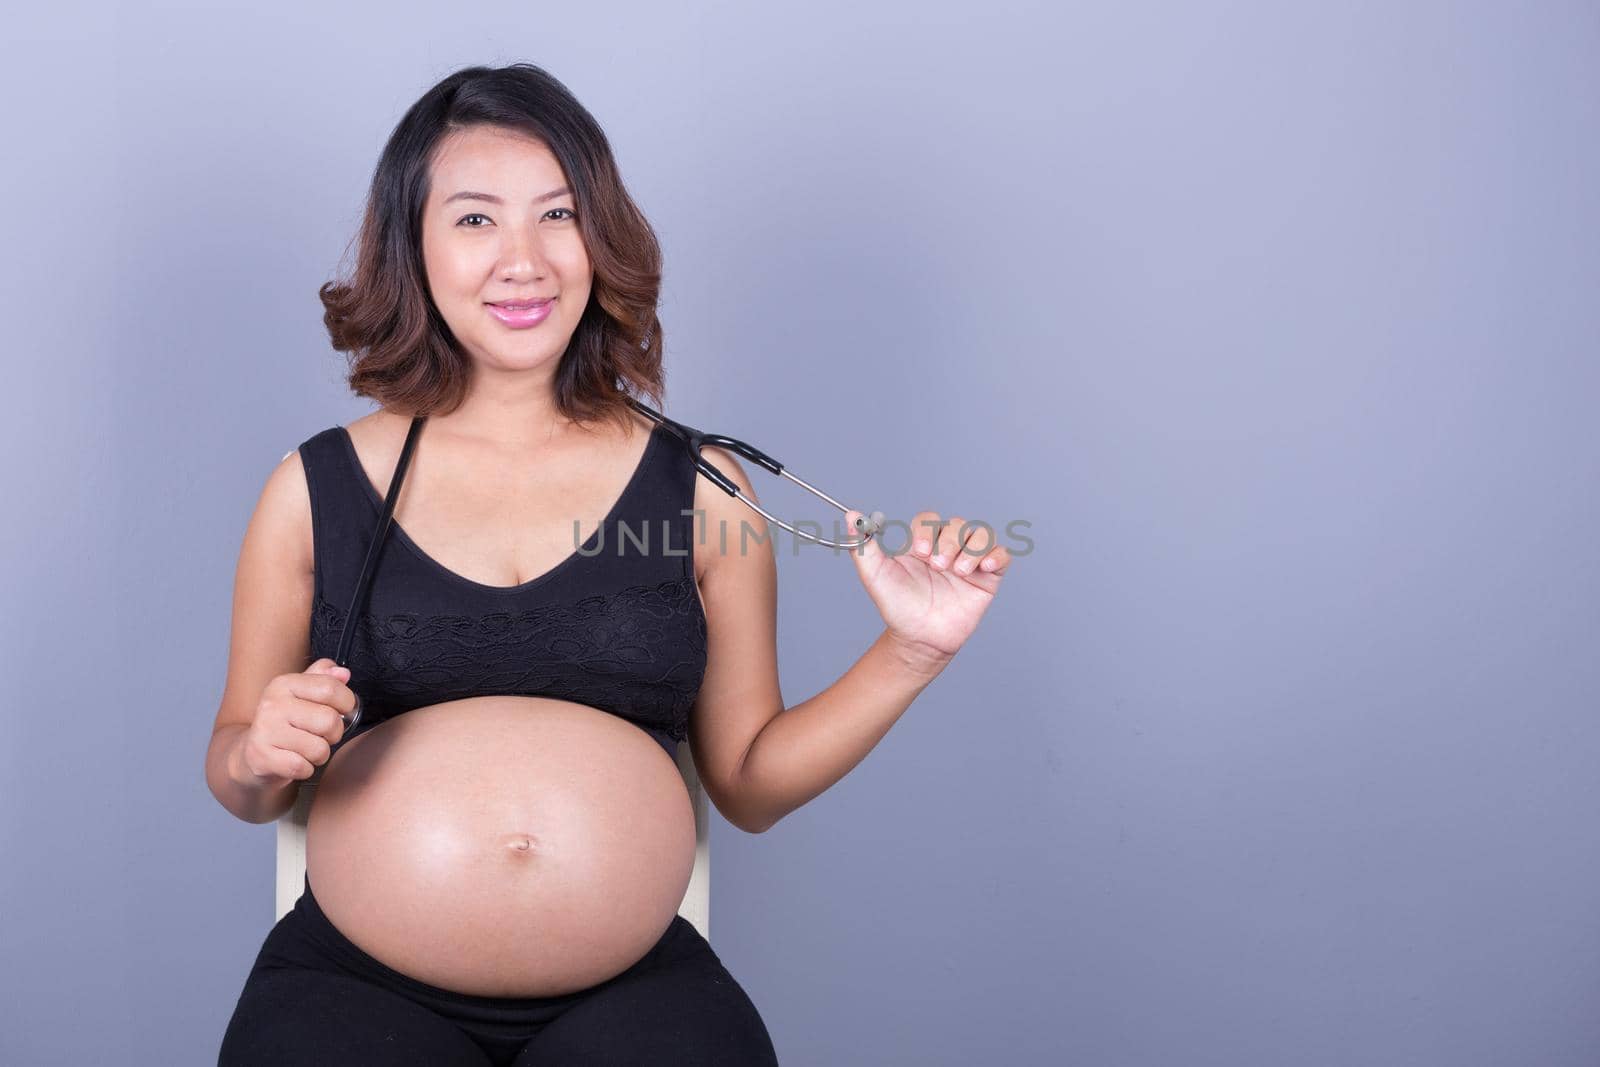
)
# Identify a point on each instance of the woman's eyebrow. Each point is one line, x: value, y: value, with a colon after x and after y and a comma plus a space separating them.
x: 491, y: 198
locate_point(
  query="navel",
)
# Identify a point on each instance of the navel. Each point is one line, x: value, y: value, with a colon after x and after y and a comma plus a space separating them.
x: 520, y: 843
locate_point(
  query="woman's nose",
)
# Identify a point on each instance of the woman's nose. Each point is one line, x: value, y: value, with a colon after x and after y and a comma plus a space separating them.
x: 523, y: 254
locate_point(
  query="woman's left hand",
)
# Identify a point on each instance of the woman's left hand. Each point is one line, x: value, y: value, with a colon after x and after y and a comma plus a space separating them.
x: 932, y: 595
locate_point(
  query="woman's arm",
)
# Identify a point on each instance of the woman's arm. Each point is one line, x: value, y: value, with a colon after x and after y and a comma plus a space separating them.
x: 269, y: 636
x: 758, y: 761
x: 799, y: 754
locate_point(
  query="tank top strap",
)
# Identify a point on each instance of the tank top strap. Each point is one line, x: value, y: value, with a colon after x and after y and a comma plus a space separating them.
x: 666, y: 499
x: 648, y: 536
x: 342, y: 519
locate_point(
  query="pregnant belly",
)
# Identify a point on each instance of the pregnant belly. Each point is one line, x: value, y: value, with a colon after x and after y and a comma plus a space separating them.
x: 502, y: 846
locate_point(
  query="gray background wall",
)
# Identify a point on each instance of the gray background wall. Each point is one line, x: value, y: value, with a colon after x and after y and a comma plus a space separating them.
x: 1277, y: 322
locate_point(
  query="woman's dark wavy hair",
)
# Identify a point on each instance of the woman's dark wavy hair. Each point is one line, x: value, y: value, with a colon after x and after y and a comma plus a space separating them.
x: 400, y: 351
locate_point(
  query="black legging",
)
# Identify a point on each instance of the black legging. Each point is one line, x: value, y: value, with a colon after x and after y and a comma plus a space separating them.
x: 314, y: 998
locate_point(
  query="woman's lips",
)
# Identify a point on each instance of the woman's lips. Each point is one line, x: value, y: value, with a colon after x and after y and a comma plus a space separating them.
x: 520, y: 318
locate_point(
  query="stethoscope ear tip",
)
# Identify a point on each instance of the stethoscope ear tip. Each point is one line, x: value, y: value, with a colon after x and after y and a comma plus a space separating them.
x: 871, y: 525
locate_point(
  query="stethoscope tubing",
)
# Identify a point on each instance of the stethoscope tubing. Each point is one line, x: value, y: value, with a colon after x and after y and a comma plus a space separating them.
x: 694, y: 440
x: 379, y: 539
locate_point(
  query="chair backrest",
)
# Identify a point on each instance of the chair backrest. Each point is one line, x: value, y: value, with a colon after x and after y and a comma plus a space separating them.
x: 696, y: 906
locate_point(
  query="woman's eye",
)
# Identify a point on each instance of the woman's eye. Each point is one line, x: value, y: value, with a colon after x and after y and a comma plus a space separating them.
x: 476, y: 215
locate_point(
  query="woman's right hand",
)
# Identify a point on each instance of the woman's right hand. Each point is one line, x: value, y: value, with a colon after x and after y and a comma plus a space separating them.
x: 298, y: 721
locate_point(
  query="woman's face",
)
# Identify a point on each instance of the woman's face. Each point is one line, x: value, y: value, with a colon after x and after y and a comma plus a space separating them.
x: 500, y: 225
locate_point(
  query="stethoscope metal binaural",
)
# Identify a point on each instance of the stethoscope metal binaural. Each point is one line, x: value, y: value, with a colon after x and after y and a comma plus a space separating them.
x: 693, y: 440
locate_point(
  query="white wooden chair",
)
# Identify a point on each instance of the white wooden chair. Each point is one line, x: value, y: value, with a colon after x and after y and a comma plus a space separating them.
x: 696, y: 906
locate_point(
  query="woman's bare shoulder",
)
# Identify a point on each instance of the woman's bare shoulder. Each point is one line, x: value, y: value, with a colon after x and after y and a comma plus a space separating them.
x: 376, y: 426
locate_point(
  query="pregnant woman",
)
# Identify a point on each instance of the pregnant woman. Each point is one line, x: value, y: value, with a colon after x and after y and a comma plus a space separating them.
x: 499, y: 845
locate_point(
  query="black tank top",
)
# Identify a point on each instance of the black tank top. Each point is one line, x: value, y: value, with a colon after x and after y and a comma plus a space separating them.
x: 618, y: 625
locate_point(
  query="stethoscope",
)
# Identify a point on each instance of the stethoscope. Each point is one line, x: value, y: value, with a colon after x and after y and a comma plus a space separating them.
x: 693, y: 440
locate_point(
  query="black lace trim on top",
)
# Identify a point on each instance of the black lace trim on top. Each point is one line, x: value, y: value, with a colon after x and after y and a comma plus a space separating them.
x: 604, y: 650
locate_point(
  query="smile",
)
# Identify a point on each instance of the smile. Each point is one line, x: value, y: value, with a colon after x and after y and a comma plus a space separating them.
x: 521, y: 317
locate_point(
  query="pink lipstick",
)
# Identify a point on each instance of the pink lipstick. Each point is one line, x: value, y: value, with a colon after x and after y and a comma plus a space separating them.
x: 520, y: 314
